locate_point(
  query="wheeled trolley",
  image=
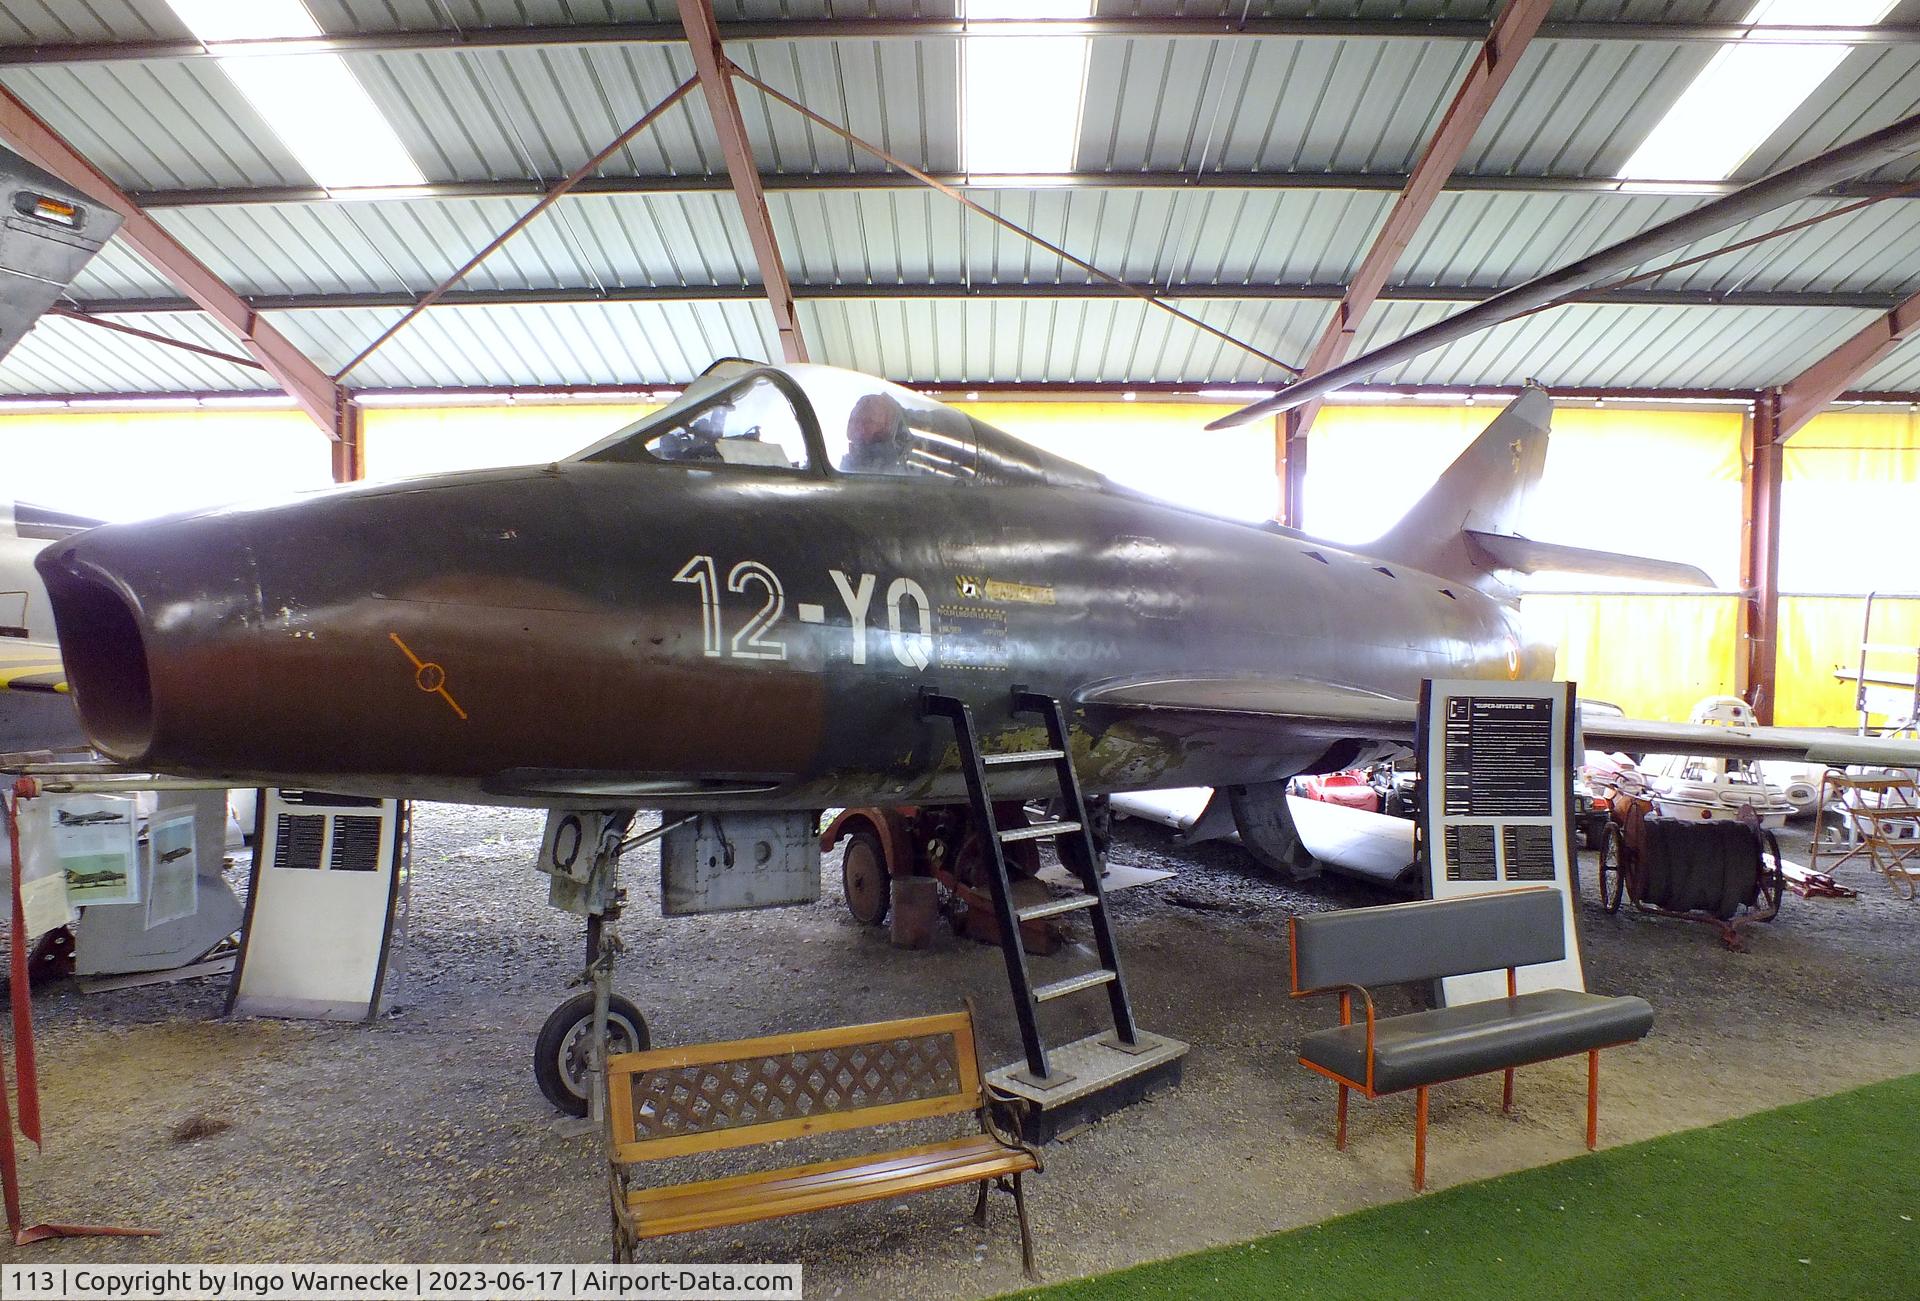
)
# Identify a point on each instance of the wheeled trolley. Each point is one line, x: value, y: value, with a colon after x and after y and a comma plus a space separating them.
x: 1724, y: 874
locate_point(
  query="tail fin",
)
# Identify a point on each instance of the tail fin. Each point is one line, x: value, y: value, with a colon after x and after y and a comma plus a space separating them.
x: 1466, y: 527
x: 1484, y: 491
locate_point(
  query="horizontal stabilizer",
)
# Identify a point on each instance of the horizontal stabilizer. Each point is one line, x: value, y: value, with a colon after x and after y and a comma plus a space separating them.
x: 1524, y: 555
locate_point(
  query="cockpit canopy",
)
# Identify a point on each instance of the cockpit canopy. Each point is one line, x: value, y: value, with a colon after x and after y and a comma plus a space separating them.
x: 809, y: 419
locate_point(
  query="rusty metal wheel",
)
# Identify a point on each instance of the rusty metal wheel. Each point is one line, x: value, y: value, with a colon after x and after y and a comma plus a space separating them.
x: 1773, y: 878
x: 863, y: 878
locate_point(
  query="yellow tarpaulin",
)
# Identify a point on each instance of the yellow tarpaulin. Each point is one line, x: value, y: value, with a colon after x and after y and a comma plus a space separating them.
x: 122, y: 465
x: 1158, y: 447
x: 1849, y: 497
x: 1653, y: 656
x: 1821, y: 633
x: 402, y: 441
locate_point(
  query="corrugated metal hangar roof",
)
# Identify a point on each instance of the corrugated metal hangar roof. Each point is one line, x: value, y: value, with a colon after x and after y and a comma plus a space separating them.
x: 1242, y: 174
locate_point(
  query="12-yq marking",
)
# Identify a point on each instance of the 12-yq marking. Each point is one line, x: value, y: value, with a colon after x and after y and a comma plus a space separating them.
x: 909, y: 613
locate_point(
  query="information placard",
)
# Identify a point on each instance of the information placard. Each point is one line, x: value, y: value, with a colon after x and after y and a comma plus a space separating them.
x: 326, y: 910
x: 1498, y: 761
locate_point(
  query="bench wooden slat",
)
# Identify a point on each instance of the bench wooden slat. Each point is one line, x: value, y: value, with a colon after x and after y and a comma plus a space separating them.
x: 743, y: 1198
x: 902, y: 1158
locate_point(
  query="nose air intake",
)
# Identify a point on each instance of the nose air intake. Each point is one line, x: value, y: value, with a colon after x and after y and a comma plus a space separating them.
x: 105, y: 655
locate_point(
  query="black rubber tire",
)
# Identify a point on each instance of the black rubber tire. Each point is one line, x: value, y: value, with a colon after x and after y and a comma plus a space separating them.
x: 1613, y: 873
x: 559, y: 1054
x: 1594, y: 835
x: 864, y: 883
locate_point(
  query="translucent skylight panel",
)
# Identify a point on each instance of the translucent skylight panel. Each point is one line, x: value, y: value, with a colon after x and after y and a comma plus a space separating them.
x: 1748, y: 89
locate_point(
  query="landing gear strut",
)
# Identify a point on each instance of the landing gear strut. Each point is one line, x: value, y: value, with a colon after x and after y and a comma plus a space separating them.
x: 562, y: 1055
x: 576, y: 1039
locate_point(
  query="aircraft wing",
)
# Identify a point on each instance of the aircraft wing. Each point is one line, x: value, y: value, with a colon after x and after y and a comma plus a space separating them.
x: 1799, y: 744
x: 1297, y: 708
x: 1300, y: 708
x: 31, y: 666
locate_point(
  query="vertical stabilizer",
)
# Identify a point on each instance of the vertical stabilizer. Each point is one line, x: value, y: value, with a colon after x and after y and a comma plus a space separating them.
x: 1483, y: 491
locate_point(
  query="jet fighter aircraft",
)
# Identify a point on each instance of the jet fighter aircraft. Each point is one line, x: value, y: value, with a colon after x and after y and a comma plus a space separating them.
x: 736, y: 602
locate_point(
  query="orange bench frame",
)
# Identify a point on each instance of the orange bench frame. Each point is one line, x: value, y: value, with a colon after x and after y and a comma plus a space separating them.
x: 1365, y: 1086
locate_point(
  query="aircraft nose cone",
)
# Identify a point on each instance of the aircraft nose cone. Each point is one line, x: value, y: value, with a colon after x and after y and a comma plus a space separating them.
x: 122, y: 595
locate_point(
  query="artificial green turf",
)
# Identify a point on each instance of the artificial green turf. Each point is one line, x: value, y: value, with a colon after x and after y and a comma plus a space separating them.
x: 1816, y: 1200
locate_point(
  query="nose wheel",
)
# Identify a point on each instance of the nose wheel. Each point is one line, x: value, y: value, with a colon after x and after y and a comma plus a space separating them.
x: 561, y: 1053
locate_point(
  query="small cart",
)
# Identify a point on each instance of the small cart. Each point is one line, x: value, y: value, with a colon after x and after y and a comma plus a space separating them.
x: 1725, y: 874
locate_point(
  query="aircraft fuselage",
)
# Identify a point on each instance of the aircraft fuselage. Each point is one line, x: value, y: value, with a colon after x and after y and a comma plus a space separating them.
x: 589, y: 633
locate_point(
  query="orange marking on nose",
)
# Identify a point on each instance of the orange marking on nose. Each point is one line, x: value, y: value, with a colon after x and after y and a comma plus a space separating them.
x: 428, y: 676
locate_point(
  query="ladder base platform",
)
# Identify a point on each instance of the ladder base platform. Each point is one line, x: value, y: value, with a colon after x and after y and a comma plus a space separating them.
x: 1094, y: 1078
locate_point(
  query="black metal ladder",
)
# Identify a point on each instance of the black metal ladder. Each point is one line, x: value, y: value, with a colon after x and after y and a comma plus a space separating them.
x: 1073, y: 840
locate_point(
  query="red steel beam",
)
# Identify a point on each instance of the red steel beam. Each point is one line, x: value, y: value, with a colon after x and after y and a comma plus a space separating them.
x: 1115, y: 283
x: 350, y: 449
x: 183, y: 345
x: 958, y: 391
x: 553, y: 195
x: 1759, y: 653
x: 1498, y: 57
x: 1815, y: 388
x: 1290, y: 467
x: 712, y: 66
x: 311, y: 387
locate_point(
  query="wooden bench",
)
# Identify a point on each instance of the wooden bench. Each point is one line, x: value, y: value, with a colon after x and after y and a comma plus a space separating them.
x: 1346, y: 952
x: 676, y: 1101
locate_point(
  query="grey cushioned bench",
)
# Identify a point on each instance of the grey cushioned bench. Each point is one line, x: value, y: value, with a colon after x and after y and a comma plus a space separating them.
x: 1347, y: 952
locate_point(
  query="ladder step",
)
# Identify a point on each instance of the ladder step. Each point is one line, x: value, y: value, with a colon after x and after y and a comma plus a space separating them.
x: 1021, y: 756
x: 1038, y: 831
x: 1072, y: 985
x: 1054, y: 907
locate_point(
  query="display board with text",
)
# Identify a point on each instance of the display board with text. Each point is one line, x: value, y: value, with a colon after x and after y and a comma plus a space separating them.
x: 1498, y: 760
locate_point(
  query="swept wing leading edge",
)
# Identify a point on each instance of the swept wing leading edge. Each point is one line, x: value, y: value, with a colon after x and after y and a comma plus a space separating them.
x: 1310, y: 708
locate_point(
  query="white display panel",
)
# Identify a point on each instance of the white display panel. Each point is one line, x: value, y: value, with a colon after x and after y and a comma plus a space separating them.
x: 1497, y: 760
x: 329, y: 878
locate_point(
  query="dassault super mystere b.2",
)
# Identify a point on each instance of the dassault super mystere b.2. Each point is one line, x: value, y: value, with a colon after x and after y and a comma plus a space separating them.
x: 738, y: 602
x: 751, y: 602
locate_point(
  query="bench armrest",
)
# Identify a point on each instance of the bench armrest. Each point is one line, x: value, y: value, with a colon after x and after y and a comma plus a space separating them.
x: 1346, y: 993
x: 1005, y: 1132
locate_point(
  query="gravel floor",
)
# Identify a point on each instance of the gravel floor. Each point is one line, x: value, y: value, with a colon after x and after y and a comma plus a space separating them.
x: 422, y: 1138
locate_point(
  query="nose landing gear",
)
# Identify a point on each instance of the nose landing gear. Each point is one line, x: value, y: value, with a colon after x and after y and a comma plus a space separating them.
x: 576, y: 1038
